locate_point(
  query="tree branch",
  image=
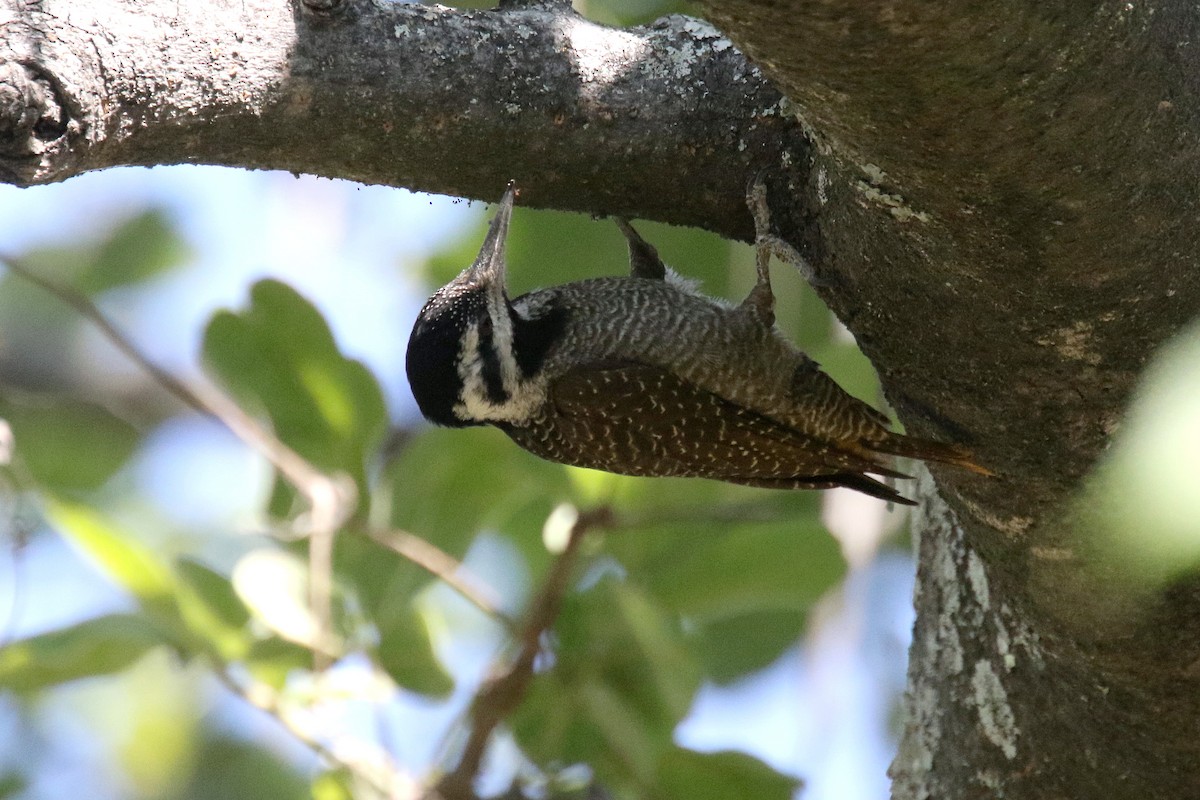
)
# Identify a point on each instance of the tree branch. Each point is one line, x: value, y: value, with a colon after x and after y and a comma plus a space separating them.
x: 445, y: 567
x: 506, y: 687
x: 583, y: 116
x: 376, y: 769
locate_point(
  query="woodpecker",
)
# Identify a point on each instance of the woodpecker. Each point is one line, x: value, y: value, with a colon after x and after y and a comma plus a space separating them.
x: 644, y: 375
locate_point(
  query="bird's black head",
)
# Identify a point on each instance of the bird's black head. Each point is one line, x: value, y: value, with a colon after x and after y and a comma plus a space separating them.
x: 472, y: 358
x: 435, y: 350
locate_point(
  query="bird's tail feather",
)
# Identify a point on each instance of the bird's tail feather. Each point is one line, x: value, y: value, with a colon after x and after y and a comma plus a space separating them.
x: 926, y: 450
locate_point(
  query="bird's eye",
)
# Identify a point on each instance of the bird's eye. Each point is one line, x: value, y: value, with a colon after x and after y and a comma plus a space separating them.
x: 485, y: 326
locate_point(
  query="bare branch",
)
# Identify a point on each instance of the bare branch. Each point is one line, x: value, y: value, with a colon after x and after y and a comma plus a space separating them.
x: 504, y: 690
x: 445, y: 567
x: 584, y: 116
x: 381, y: 773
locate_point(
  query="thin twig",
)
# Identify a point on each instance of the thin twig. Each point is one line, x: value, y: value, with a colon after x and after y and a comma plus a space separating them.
x: 440, y: 564
x: 87, y: 309
x: 18, y: 531
x: 503, y: 692
x: 331, y: 499
x: 381, y: 776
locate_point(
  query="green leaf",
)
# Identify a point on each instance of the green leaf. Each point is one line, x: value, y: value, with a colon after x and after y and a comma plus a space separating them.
x: 447, y: 485
x: 98, y: 646
x: 141, y: 247
x: 212, y: 609
x: 273, y: 659
x: 231, y: 767
x: 130, y: 564
x: 13, y: 784
x: 381, y: 581
x: 732, y: 647
x: 538, y: 239
x: 32, y: 321
x: 743, y: 588
x: 279, y: 354
x: 333, y: 785
x: 68, y: 445
x: 745, y: 591
x: 215, y: 591
x: 173, y: 606
x: 193, y: 605
x: 387, y: 588
x: 621, y: 682
x: 718, y: 776
x: 751, y: 568
x: 406, y: 653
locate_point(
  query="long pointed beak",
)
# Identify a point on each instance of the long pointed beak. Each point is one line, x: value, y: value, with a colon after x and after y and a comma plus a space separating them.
x: 489, y: 264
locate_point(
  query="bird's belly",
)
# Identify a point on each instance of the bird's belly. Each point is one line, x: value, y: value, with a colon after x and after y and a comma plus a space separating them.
x: 616, y: 448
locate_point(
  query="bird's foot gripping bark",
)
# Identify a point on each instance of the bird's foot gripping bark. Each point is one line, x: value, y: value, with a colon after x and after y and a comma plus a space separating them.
x: 769, y: 244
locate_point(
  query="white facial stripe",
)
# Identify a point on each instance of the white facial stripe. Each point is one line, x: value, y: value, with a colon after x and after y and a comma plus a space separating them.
x: 474, y: 404
x: 470, y: 364
x: 502, y: 337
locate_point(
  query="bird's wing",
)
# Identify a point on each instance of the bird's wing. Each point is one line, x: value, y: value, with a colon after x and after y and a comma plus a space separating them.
x: 638, y: 419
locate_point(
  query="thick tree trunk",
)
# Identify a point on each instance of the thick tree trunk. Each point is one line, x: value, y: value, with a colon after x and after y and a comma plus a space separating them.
x: 1008, y: 202
x: 1002, y: 208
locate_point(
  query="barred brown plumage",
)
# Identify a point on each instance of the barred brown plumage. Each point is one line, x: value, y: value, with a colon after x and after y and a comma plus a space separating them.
x: 643, y: 375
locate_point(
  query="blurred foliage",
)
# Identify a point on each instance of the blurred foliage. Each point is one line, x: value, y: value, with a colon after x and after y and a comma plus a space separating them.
x: 137, y: 249
x: 1137, y: 520
x: 698, y: 581
x: 225, y: 768
x: 278, y: 355
x: 68, y: 445
x: 97, y: 646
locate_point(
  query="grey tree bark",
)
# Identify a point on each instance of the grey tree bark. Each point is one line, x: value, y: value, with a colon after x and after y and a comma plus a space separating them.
x: 1014, y: 221
x: 1002, y: 206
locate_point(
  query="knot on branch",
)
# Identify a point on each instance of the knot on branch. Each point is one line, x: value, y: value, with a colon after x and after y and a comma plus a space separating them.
x: 33, y: 116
